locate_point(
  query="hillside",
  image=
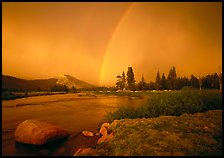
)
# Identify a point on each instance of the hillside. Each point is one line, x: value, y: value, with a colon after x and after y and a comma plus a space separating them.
x: 13, y: 83
x: 199, y: 134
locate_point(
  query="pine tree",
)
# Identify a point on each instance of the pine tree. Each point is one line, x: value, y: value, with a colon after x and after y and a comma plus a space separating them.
x: 130, y: 79
x: 158, y: 79
x: 123, y: 81
x: 163, y: 82
x: 171, y: 79
x: 142, y: 84
x: 119, y: 82
x: 194, y: 81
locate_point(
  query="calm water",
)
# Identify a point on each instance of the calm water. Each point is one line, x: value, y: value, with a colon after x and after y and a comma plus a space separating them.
x: 69, y: 111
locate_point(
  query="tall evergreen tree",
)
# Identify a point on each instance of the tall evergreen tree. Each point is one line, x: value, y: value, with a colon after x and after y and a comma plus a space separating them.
x: 142, y: 84
x: 130, y: 79
x: 119, y: 82
x: 123, y: 81
x: 163, y: 82
x: 216, y: 81
x: 171, y: 78
x: 194, y: 81
x: 158, y: 79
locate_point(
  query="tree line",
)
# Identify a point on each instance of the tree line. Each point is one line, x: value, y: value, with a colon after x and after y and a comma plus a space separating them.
x: 171, y: 82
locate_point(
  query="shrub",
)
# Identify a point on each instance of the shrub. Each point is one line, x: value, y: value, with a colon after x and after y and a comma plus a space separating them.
x: 172, y: 103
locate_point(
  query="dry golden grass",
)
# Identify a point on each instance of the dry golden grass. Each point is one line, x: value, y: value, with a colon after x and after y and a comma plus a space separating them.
x: 188, y: 135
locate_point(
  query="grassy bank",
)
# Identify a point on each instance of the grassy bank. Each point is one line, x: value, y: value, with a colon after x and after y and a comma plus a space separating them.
x: 199, y: 134
x: 128, y: 93
x: 172, y: 103
x: 14, y: 95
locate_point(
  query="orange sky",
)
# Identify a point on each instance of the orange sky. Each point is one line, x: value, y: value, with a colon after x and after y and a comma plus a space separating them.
x: 95, y: 42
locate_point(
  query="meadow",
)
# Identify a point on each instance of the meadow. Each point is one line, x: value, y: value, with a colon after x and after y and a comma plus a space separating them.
x: 170, y: 103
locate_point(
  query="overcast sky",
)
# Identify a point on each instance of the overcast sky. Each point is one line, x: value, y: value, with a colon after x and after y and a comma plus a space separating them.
x: 95, y: 42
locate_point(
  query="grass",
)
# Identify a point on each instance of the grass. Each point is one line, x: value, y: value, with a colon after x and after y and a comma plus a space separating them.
x: 128, y: 93
x: 198, y: 134
x: 172, y: 103
x: 7, y: 95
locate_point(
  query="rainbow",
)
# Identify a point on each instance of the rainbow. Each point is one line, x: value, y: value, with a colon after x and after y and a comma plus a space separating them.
x: 105, y: 58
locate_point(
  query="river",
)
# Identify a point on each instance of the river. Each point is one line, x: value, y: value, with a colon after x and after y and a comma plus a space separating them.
x: 73, y: 112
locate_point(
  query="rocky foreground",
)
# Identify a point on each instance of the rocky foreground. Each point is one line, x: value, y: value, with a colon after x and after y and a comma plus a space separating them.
x: 187, y: 135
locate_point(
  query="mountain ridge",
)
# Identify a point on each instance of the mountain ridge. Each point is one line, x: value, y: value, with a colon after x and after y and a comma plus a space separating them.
x: 14, y: 83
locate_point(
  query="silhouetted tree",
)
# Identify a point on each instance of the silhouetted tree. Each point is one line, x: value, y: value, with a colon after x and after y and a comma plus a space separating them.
x: 142, y: 84
x: 119, y: 82
x: 211, y: 81
x: 65, y: 88
x: 181, y: 82
x: 220, y: 81
x: 215, y: 80
x: 74, y: 90
x: 194, y: 82
x: 163, y: 82
x: 151, y: 85
x: 59, y: 88
x: 130, y: 79
x: 171, y: 78
x: 158, y: 79
x: 123, y: 84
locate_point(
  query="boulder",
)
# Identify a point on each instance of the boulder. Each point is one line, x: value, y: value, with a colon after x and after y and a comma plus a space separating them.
x: 38, y: 132
x: 88, y: 134
x: 85, y: 152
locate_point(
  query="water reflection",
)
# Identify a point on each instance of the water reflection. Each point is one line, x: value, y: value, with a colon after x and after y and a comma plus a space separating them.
x: 70, y: 112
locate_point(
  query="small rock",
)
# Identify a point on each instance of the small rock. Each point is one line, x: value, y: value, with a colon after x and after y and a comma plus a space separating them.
x: 97, y: 134
x: 88, y: 134
x: 102, y: 139
x: 105, y: 138
x: 106, y: 125
x: 85, y: 152
x: 103, y: 130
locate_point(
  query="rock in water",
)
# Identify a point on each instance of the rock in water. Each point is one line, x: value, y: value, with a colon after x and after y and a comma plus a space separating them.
x: 38, y: 132
x: 88, y: 134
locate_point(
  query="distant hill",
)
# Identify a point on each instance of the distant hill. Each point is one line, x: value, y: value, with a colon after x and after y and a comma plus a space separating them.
x: 13, y: 83
x: 70, y: 82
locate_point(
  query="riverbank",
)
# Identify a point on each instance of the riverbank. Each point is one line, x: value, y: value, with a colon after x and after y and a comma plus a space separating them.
x: 199, y: 134
x: 6, y: 95
x: 75, y: 112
